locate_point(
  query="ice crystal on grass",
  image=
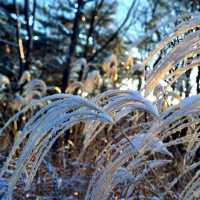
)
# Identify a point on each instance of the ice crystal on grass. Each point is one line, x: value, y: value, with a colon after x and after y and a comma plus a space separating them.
x: 186, y: 49
x: 118, y: 103
x: 42, y: 130
x: 3, y: 189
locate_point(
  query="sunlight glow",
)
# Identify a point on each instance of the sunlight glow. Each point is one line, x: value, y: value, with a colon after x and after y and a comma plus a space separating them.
x: 129, y: 84
x: 151, y: 97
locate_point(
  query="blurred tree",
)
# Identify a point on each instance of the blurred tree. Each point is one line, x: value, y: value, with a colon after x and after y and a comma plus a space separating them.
x: 56, y: 34
x: 50, y: 43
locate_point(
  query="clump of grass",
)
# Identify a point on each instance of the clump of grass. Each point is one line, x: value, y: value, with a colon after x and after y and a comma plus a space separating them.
x: 42, y: 130
x: 141, y: 152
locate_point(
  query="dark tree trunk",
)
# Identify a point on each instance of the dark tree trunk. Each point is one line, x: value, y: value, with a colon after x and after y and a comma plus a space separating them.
x: 29, y: 29
x: 72, y: 47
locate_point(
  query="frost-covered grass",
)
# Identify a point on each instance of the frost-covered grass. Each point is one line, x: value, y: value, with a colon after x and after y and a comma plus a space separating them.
x: 127, y: 147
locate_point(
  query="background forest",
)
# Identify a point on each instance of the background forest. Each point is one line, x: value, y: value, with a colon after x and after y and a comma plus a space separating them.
x: 99, y: 99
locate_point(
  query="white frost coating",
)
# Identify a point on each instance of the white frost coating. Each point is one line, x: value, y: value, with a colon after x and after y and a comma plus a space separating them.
x: 43, y: 129
x: 4, y: 81
x: 186, y: 48
x: 190, y: 101
x: 122, y: 175
x: 35, y: 85
x: 31, y: 105
x: 147, y: 142
x: 114, y: 102
x: 113, y: 173
x: 154, y: 198
x: 3, y: 189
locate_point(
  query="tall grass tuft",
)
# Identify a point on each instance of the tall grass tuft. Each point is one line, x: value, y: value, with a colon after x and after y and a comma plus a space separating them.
x: 42, y: 130
x: 135, y: 148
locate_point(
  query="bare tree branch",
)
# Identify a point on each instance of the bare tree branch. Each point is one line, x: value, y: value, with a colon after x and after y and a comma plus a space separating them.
x: 19, y: 40
x: 97, y: 6
x: 92, y: 24
x: 9, y: 43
